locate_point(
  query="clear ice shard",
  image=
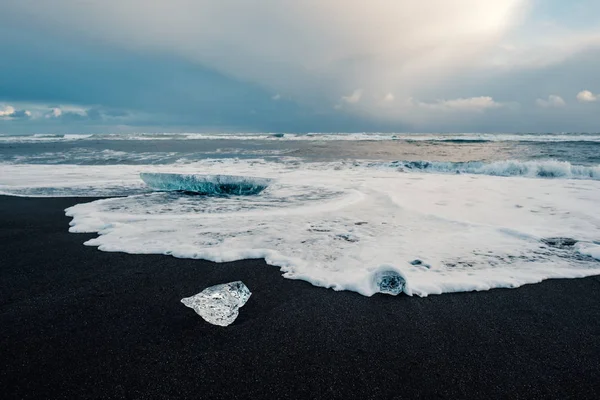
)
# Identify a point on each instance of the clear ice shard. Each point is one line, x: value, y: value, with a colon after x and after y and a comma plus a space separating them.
x: 219, y: 304
x: 390, y: 282
x: 216, y: 185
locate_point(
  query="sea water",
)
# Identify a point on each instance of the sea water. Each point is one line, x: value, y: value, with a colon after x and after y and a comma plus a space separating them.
x: 411, y: 213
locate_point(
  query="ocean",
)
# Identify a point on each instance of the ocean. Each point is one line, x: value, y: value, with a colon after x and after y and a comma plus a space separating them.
x: 431, y: 213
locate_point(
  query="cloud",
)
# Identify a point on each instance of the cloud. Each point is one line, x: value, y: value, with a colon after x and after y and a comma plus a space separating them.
x: 67, y: 113
x: 21, y: 114
x: 78, y: 113
x: 54, y: 112
x: 171, y: 64
x: 553, y: 101
x: 8, y: 112
x: 554, y: 47
x: 585, y: 96
x: 353, y: 98
x: 293, y: 48
x: 389, y: 97
x: 472, y: 104
x: 36, y: 112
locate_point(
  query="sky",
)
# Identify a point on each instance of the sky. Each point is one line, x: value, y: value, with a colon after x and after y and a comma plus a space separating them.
x: 71, y: 66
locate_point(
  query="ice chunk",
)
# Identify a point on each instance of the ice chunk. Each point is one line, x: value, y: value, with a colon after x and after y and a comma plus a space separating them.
x: 219, y: 304
x: 206, y: 184
x: 390, y: 282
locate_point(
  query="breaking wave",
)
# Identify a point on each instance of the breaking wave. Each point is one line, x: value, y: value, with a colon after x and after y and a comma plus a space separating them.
x: 532, y: 169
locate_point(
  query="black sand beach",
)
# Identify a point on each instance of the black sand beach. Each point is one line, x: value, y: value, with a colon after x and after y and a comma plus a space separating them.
x: 77, y: 323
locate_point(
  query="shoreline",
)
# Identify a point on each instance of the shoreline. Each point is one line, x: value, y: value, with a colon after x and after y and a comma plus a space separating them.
x: 76, y: 322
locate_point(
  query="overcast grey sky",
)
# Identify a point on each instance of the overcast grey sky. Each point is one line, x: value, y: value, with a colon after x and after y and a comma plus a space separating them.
x: 310, y: 65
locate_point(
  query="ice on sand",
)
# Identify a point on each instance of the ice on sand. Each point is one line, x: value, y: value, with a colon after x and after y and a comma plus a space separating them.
x: 390, y: 282
x: 219, y: 304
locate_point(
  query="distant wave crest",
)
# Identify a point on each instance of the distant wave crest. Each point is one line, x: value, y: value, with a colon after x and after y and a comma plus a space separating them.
x: 462, y: 138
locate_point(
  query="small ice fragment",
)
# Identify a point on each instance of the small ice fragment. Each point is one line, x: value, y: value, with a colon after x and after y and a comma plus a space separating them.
x: 390, y: 282
x: 219, y: 304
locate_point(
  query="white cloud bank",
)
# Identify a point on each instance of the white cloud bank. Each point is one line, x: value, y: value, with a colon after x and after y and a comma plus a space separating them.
x: 585, y: 96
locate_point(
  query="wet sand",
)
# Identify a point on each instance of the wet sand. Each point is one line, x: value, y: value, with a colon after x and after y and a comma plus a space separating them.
x: 79, y: 323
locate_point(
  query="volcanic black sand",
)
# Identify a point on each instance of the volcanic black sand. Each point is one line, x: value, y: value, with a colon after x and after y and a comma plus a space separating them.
x: 78, y: 323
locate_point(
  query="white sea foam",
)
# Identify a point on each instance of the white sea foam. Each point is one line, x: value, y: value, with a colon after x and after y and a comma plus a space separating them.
x: 341, y: 227
x: 70, y: 180
x: 43, y: 138
x: 80, y: 156
x: 119, y: 180
x: 540, y: 168
x: 91, y: 156
x: 589, y: 249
